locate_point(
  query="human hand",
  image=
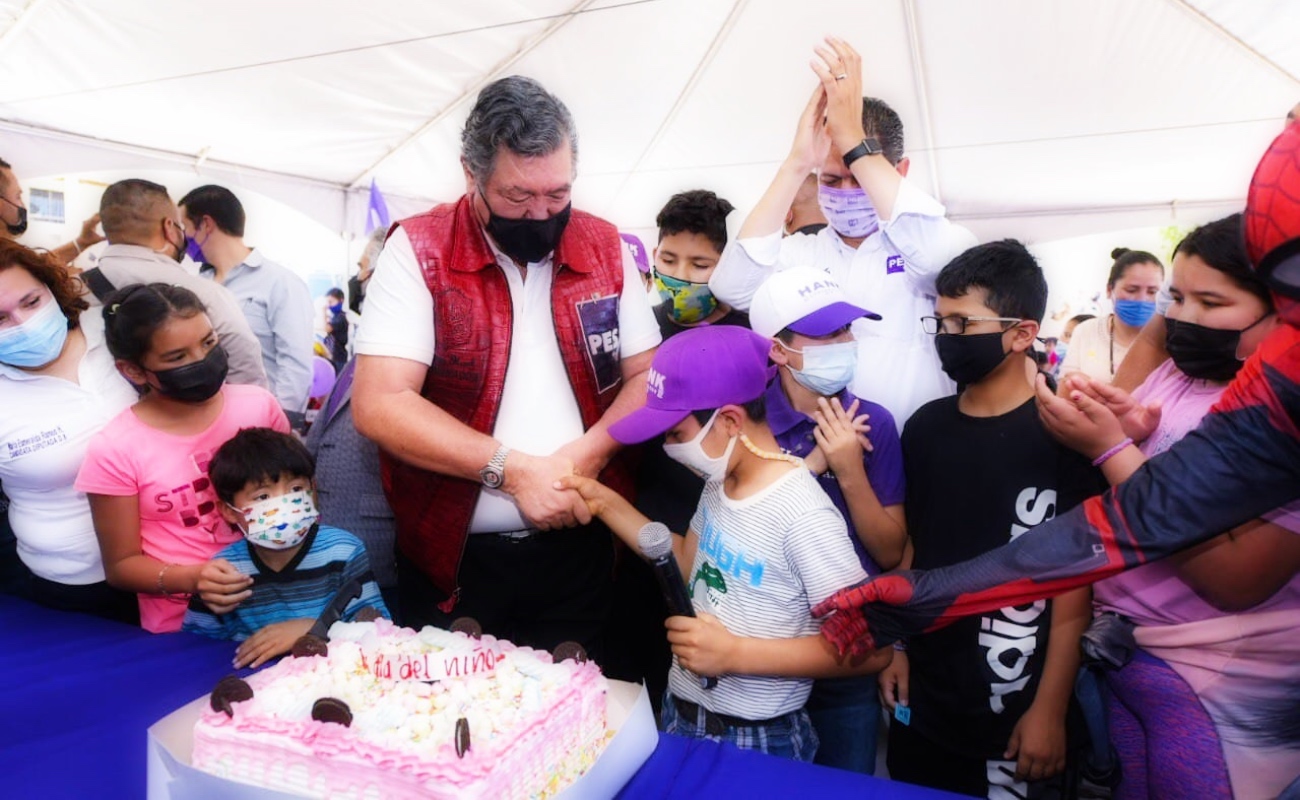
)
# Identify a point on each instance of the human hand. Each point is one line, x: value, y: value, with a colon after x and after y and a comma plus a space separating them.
x: 815, y: 461
x: 1078, y: 421
x: 894, y: 682
x: 597, y: 496
x: 840, y: 435
x: 1038, y: 744
x: 531, y: 481
x: 274, y: 640
x: 1138, y: 420
x: 839, y: 67
x: 221, y: 587
x: 89, y: 235
x: 702, y: 644
x: 811, y: 143
x: 847, y: 627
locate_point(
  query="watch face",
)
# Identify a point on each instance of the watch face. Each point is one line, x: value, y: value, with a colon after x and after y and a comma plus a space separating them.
x: 491, y: 478
x: 873, y: 145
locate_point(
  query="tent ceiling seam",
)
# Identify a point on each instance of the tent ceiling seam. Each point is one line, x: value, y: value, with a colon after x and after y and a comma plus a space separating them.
x: 1219, y: 29
x: 714, y: 46
x: 473, y: 89
x: 20, y: 24
x: 919, y: 79
x: 1086, y: 211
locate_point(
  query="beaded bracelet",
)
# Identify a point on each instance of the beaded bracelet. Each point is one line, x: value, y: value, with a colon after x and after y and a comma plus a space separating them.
x: 1111, y: 453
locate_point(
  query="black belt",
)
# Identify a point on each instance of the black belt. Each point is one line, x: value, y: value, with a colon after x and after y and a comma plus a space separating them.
x: 716, y: 724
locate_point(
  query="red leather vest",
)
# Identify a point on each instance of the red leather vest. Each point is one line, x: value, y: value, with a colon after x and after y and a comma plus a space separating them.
x: 472, y: 316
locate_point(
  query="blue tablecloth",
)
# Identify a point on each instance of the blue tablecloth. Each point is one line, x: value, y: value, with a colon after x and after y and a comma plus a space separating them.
x: 77, y: 695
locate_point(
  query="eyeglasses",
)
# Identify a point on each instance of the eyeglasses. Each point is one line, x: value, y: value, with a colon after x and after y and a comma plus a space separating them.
x: 956, y: 325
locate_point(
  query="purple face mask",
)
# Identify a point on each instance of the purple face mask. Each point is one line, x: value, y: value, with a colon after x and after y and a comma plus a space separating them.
x: 849, y: 211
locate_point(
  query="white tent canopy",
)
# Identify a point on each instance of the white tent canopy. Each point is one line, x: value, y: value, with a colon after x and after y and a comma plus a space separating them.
x: 1034, y: 119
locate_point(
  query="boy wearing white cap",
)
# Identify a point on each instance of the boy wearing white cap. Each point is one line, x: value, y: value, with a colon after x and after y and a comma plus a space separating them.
x: 852, y: 446
x: 763, y: 546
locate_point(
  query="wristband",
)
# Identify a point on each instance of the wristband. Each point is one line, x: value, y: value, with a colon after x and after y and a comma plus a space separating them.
x: 74, y: 244
x: 900, y: 646
x: 1111, y: 453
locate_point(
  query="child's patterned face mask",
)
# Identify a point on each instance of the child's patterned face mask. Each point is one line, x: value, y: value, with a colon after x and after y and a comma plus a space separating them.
x: 278, y: 523
x: 691, y: 302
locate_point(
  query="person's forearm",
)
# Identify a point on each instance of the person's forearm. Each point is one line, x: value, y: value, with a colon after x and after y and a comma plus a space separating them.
x: 1123, y: 464
x: 416, y: 431
x: 804, y: 657
x: 879, y: 179
x: 593, y: 450
x: 768, y: 214
x: 1146, y: 353
x: 881, y: 533
x: 147, y: 575
x: 1070, y: 613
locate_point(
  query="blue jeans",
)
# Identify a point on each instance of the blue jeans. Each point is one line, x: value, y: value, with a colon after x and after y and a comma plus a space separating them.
x: 788, y: 736
x: 845, y: 713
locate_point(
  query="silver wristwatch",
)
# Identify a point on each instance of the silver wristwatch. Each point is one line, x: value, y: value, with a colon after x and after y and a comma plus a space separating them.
x: 494, y: 474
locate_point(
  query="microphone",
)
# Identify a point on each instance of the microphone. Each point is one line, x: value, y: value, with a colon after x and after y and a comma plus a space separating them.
x: 656, y: 543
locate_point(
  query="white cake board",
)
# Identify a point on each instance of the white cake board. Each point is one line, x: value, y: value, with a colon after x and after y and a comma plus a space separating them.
x: 171, y: 743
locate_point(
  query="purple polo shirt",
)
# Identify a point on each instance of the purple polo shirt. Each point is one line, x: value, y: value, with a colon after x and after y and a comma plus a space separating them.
x: 884, y: 464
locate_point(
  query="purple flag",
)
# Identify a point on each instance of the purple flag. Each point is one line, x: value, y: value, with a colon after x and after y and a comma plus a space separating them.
x: 376, y: 209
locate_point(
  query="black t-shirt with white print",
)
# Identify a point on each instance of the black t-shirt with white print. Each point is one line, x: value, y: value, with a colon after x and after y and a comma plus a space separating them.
x: 973, y: 484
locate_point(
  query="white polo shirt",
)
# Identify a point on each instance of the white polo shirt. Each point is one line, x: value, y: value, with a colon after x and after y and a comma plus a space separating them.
x: 539, y: 413
x: 45, y: 428
x: 891, y: 273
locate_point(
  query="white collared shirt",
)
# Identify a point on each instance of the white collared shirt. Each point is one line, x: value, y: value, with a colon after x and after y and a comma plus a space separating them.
x: 891, y: 273
x: 539, y: 413
x: 45, y: 427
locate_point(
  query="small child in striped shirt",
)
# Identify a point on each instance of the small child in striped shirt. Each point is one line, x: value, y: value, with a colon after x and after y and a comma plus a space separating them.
x: 264, y: 481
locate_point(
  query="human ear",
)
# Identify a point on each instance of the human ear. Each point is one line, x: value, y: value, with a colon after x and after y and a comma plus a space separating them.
x: 903, y: 165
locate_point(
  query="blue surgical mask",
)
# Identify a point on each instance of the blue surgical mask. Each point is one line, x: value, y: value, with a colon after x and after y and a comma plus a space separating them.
x: 1135, y: 313
x: 36, y: 342
x: 849, y: 211
x: 827, y: 368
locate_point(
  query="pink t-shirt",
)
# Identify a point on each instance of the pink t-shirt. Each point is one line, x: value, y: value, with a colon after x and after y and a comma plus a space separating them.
x: 1154, y: 594
x: 179, y: 522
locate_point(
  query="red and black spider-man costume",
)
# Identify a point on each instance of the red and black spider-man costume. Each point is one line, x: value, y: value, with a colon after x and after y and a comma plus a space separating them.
x: 1243, y: 461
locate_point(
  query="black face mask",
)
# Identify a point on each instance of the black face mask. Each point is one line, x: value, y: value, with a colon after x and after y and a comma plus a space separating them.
x: 21, y: 227
x: 969, y: 358
x: 526, y: 240
x: 197, y: 382
x: 1208, y: 354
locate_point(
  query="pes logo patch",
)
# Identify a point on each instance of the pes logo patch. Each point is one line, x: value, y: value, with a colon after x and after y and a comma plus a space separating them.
x: 894, y: 264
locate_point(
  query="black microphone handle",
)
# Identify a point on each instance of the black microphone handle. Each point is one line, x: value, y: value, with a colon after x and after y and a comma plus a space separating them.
x: 677, y: 597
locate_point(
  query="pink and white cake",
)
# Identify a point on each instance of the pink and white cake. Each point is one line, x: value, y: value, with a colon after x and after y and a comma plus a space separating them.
x: 393, y: 713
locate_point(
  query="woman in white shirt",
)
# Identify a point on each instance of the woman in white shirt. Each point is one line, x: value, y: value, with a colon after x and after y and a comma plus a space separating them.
x: 1099, y: 345
x: 58, y: 387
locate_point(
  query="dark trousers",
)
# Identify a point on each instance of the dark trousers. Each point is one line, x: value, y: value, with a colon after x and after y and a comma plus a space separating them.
x: 551, y: 587
x: 913, y: 758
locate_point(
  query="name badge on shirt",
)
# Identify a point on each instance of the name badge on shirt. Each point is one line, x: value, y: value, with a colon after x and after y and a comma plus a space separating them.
x: 893, y: 264
x: 599, y: 319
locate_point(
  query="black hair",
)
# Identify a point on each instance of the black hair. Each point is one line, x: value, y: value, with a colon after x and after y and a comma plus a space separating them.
x: 755, y: 409
x: 216, y: 202
x: 1007, y: 273
x: 133, y: 313
x: 883, y: 122
x: 1077, y: 318
x: 131, y: 205
x: 1125, y: 258
x: 697, y: 211
x: 258, y: 454
x: 335, y: 292
x: 1221, y: 246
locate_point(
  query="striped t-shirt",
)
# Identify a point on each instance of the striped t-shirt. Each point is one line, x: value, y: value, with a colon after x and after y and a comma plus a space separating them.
x: 761, y: 565
x: 329, y: 559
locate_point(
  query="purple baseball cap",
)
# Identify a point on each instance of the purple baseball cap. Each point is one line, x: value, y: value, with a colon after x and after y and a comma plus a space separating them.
x: 697, y: 370
x: 639, y: 253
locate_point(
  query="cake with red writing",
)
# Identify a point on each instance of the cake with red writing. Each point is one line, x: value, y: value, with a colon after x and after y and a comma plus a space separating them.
x: 387, y: 712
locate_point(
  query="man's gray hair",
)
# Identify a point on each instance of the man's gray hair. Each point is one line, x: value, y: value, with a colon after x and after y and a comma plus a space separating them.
x: 375, y: 245
x: 518, y: 113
